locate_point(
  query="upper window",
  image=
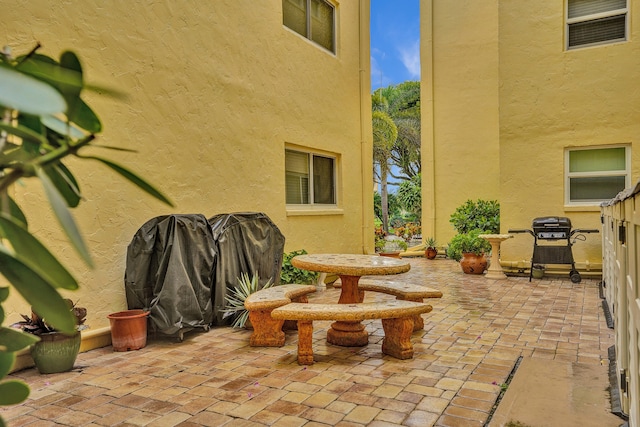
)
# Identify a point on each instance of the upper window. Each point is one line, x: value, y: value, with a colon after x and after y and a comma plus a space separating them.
x: 592, y: 22
x: 596, y: 174
x: 313, y: 19
x: 310, y: 178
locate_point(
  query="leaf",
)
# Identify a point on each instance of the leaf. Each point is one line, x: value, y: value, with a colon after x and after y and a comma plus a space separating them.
x: 84, y: 117
x: 64, y: 216
x: 38, y: 292
x: 7, y: 359
x: 133, y: 178
x: 4, y: 294
x: 9, y: 207
x: 26, y: 245
x: 14, y: 340
x: 24, y: 93
x: 65, y: 182
x: 61, y: 127
x: 23, y: 133
x: 13, y: 392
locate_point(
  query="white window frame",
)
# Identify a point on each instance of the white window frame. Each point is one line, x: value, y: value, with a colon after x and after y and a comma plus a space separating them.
x: 308, y: 24
x: 568, y: 175
x: 592, y: 17
x: 312, y: 205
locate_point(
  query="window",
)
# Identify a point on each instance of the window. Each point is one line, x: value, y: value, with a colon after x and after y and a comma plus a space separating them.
x: 596, y: 174
x: 592, y: 22
x: 313, y: 19
x: 310, y: 178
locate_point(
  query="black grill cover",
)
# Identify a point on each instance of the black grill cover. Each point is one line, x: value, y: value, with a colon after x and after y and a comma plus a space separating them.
x: 244, y: 243
x: 169, y: 272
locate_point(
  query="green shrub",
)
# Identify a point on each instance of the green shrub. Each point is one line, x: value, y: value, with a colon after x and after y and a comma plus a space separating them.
x: 467, y: 243
x: 478, y: 215
x: 291, y: 274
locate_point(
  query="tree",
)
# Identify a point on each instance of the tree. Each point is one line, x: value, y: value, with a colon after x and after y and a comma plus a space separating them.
x: 410, y: 196
x: 384, y: 135
x: 396, y: 137
x: 43, y: 121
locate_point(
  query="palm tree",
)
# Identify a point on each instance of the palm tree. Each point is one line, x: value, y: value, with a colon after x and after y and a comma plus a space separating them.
x: 385, y: 134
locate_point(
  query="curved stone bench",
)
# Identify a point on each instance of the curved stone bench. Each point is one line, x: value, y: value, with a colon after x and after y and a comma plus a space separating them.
x: 397, y: 322
x: 401, y: 290
x: 267, y: 331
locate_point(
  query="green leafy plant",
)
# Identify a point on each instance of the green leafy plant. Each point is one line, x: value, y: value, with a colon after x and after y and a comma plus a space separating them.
x: 410, y: 195
x: 236, y: 296
x: 380, y: 238
x: 430, y: 243
x: 467, y: 243
x: 37, y: 325
x: 395, y: 245
x: 477, y: 215
x: 291, y: 274
x: 43, y: 120
x: 408, y: 231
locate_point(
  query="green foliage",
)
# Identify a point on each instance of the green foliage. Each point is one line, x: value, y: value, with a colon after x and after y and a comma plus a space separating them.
x: 430, y: 242
x: 43, y: 120
x: 236, y: 296
x: 480, y: 215
x: 467, y: 243
x: 291, y: 274
x: 410, y: 195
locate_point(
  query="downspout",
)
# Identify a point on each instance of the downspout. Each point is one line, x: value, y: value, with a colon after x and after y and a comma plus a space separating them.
x: 428, y: 121
x: 366, y: 132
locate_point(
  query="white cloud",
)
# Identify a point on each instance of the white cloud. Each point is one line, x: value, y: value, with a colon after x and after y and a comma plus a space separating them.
x: 410, y: 57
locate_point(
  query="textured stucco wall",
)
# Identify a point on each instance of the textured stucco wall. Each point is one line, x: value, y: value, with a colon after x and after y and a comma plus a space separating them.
x: 214, y: 92
x: 552, y: 99
x: 504, y: 87
x: 461, y: 79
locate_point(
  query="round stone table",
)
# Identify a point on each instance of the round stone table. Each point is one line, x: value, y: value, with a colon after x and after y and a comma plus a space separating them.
x: 495, y: 269
x: 350, y: 267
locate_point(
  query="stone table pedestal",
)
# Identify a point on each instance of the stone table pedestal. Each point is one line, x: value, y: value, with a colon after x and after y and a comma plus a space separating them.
x: 495, y: 269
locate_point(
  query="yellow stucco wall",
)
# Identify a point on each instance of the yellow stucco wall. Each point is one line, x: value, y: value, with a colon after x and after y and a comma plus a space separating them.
x: 459, y: 107
x: 552, y: 99
x: 503, y: 85
x: 214, y: 92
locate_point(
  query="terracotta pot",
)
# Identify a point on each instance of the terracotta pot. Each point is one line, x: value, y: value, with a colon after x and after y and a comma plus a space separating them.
x: 431, y: 253
x: 55, y: 352
x: 128, y: 329
x: 473, y: 264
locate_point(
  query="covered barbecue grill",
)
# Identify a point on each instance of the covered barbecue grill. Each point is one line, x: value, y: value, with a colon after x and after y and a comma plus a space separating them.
x: 555, y: 229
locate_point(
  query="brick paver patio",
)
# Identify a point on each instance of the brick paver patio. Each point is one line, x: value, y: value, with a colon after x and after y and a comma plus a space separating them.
x: 471, y: 342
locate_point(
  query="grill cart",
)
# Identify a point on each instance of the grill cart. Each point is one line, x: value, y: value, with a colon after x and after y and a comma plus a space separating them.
x: 555, y: 229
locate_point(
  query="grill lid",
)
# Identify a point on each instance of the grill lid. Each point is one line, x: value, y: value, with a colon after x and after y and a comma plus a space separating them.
x: 551, y: 222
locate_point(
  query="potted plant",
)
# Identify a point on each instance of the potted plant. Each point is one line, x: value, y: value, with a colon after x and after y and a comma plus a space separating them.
x: 55, y: 351
x: 393, y: 247
x: 236, y: 296
x: 44, y: 121
x: 469, y: 250
x: 431, y: 251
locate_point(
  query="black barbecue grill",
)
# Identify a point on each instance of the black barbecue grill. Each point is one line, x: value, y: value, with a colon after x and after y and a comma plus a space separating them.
x: 558, y: 229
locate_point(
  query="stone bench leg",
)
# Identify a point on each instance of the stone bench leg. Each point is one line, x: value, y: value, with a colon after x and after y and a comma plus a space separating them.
x: 292, y: 325
x: 397, y: 337
x: 305, y: 342
x: 267, y: 332
x: 418, y: 321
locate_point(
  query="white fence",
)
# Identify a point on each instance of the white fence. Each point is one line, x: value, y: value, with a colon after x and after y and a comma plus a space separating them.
x: 621, y: 252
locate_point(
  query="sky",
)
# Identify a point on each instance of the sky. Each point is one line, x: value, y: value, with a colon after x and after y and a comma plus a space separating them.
x: 395, y: 42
